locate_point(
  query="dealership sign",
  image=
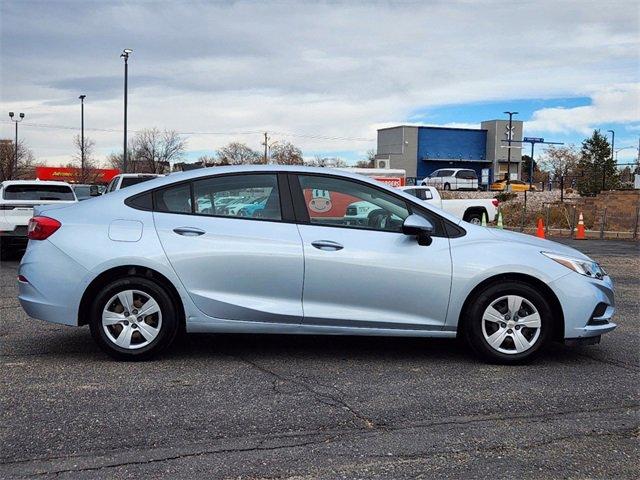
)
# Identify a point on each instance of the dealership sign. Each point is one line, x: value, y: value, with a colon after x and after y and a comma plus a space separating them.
x: 71, y: 174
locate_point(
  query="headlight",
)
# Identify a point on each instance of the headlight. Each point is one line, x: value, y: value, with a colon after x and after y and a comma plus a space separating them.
x: 583, y: 267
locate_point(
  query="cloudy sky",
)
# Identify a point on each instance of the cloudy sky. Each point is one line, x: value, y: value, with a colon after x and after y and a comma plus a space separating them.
x: 324, y: 75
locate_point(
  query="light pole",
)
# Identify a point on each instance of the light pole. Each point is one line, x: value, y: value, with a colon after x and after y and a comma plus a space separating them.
x: 82, y: 97
x: 619, y: 150
x: 511, y: 114
x: 125, y: 54
x: 604, y: 165
x: 14, y: 169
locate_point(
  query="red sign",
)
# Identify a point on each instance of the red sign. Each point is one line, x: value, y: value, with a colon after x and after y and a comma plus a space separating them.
x: 395, y: 182
x: 70, y: 174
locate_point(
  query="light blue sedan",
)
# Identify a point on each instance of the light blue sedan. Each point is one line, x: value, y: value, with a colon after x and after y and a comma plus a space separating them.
x: 141, y: 264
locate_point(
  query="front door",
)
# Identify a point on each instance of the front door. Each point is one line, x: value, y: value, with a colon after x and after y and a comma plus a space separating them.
x: 367, y: 273
x: 228, y: 241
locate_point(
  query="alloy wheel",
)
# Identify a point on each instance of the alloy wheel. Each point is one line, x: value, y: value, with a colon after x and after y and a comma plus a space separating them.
x: 131, y: 319
x: 511, y: 324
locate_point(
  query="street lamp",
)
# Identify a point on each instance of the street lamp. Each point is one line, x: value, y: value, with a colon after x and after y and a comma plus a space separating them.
x: 604, y: 165
x: 14, y: 169
x: 82, y: 97
x: 511, y: 114
x: 125, y: 54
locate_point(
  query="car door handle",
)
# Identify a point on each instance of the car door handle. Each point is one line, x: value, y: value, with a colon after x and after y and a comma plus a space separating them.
x: 327, y: 245
x: 189, y: 231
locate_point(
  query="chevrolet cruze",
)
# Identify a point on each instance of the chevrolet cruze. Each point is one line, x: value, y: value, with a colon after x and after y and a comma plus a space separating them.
x: 142, y: 264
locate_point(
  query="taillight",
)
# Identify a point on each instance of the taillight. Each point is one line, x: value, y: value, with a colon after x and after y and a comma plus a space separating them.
x: 495, y: 202
x: 41, y: 228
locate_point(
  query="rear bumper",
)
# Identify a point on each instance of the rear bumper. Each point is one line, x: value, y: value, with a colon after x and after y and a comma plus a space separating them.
x: 53, y: 280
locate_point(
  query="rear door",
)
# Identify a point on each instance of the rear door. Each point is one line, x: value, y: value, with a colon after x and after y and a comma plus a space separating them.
x: 234, y: 267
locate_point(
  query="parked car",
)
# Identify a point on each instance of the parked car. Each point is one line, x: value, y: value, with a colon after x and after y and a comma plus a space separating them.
x: 17, y: 199
x: 141, y: 264
x: 453, y: 179
x: 129, y: 179
x: 470, y: 210
x: 85, y: 192
x: 516, y: 186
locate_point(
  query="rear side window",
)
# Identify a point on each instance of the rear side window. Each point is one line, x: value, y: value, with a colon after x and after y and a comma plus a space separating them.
x: 38, y: 192
x: 175, y: 199
x: 129, y: 181
x: 247, y: 196
x: 467, y: 175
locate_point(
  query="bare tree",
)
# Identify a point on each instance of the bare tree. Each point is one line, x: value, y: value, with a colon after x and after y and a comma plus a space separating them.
x: 236, y: 153
x: 155, y: 150
x: 26, y: 161
x: 286, y: 153
x: 369, y: 162
x: 329, y: 162
x: 87, y: 164
x: 561, y: 161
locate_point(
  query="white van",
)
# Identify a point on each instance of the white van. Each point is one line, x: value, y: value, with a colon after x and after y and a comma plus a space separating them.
x: 452, y: 179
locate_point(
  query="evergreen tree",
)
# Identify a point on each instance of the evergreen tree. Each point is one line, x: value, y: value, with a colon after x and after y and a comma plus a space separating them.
x: 595, y: 163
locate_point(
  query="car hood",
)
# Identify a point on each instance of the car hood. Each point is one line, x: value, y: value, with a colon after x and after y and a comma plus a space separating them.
x: 539, y: 243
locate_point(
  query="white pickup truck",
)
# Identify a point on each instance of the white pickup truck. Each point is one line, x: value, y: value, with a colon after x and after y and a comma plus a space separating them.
x: 470, y: 210
x: 17, y: 199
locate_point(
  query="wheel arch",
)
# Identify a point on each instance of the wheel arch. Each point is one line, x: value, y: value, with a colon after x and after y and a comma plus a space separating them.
x: 472, y: 210
x: 549, y: 294
x: 119, y: 272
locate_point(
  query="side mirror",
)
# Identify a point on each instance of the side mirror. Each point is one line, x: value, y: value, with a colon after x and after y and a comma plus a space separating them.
x: 94, y: 191
x: 420, y: 227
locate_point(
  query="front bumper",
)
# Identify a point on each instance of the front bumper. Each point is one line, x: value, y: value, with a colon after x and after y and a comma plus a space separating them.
x: 580, y: 298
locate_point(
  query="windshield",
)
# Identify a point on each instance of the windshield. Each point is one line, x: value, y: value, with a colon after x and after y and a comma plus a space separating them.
x: 38, y: 192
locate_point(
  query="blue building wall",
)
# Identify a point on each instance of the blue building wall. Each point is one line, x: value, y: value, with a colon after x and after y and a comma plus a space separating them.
x: 466, y: 147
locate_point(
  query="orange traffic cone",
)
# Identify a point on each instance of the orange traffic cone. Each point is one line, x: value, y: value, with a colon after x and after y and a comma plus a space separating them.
x: 540, y: 231
x: 580, y: 232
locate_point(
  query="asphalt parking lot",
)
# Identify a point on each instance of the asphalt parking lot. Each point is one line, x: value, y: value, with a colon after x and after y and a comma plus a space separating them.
x: 242, y: 406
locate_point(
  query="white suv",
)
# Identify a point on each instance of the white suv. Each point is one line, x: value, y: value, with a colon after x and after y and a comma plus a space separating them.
x: 17, y: 199
x: 127, y: 179
x: 452, y: 179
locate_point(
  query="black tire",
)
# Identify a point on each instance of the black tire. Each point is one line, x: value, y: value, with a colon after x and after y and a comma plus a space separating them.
x: 169, y: 327
x: 447, y: 186
x: 472, y: 322
x: 477, y: 216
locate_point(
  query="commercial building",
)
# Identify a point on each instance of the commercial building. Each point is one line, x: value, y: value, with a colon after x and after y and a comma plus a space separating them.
x: 422, y: 150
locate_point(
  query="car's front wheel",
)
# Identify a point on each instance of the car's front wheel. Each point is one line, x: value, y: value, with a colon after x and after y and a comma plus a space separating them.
x: 508, y: 323
x: 133, y: 318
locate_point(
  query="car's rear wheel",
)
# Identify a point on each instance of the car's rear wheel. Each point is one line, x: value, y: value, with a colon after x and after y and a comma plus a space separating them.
x: 508, y: 323
x: 447, y: 186
x: 133, y: 319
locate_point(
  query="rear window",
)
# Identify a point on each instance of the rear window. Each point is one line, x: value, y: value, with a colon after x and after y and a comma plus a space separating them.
x: 467, y: 174
x: 38, y: 192
x: 129, y: 181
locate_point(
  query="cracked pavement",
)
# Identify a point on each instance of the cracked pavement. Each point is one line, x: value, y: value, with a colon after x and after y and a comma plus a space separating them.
x: 245, y: 406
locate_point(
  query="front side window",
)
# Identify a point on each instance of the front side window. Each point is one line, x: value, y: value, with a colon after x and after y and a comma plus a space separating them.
x: 247, y: 196
x: 446, y: 173
x: 38, y: 192
x: 345, y: 203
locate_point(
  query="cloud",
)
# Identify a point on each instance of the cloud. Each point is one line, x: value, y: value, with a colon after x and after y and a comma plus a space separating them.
x: 327, y: 69
x: 616, y: 104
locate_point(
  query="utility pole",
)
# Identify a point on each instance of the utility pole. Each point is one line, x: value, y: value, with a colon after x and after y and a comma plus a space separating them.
x: 82, y: 97
x: 266, y: 147
x: 14, y: 168
x: 125, y: 54
x: 510, y: 136
x: 604, y: 165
